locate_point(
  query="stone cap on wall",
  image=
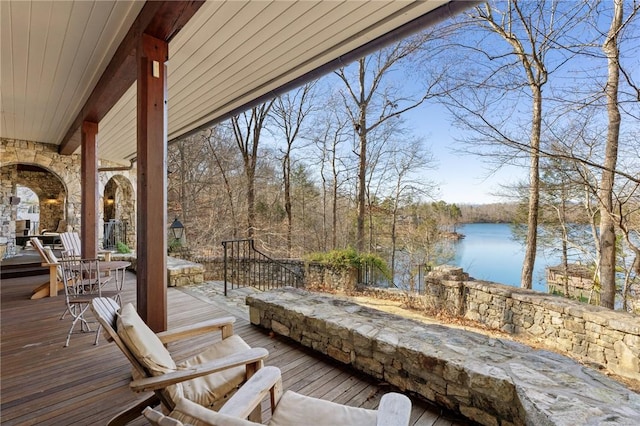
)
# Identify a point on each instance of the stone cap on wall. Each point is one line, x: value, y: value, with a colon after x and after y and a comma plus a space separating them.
x: 492, y: 381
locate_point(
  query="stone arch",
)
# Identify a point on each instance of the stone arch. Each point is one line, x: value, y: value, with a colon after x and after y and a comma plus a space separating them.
x: 65, y: 168
x: 49, y: 188
x: 118, y: 205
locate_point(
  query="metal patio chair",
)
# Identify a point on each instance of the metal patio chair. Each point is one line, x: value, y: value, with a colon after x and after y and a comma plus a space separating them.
x: 83, y: 283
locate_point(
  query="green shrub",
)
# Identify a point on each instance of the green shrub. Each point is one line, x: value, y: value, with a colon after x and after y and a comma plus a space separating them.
x: 122, y: 247
x: 346, y: 258
x: 174, y: 245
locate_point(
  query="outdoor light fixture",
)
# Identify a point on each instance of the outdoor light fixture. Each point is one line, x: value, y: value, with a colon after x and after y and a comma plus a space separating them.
x: 177, y: 229
x: 51, y: 199
x: 110, y: 200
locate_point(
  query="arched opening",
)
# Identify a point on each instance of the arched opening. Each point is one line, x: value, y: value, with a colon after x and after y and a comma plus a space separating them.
x: 28, y: 212
x: 118, y: 213
x: 50, y: 191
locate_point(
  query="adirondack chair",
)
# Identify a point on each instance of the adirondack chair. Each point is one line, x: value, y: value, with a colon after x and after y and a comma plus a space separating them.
x: 54, y: 284
x: 205, y: 379
x: 290, y: 409
x: 71, y: 243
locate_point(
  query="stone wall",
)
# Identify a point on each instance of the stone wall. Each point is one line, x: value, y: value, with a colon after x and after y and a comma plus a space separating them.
x: 490, y: 381
x: 7, y: 211
x: 213, y: 266
x: 66, y: 168
x: 599, y: 336
x: 316, y: 275
x: 322, y: 277
x: 182, y: 272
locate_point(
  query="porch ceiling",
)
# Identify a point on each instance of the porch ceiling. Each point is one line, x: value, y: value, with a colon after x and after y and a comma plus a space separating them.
x: 229, y: 54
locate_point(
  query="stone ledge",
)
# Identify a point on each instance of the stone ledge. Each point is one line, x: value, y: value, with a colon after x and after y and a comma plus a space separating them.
x: 182, y: 272
x: 490, y: 381
x: 591, y: 334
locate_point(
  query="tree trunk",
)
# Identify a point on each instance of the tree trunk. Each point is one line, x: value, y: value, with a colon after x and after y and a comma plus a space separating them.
x: 361, y: 131
x: 528, y: 264
x: 607, y: 229
x: 286, y: 174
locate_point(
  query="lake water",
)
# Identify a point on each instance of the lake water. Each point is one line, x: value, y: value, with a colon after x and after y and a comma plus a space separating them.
x: 488, y: 252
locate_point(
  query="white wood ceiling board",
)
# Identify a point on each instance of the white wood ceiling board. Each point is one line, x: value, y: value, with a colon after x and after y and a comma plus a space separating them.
x: 231, y: 52
x: 99, y: 31
x: 53, y: 53
x: 14, y: 20
x: 241, y: 54
x: 117, y: 130
x: 228, y: 54
x: 339, y: 33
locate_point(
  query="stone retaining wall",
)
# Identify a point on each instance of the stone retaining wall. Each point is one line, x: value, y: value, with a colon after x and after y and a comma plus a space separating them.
x: 606, y: 338
x: 182, y: 272
x: 490, y: 381
x: 316, y: 275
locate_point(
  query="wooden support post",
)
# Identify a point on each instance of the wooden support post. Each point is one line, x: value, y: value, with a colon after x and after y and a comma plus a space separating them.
x: 89, y: 196
x: 151, y: 249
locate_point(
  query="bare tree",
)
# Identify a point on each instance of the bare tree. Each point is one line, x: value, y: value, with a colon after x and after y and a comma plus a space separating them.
x: 189, y: 176
x: 220, y: 151
x: 607, y: 225
x: 290, y: 111
x: 371, y: 100
x: 501, y: 79
x: 407, y: 186
x: 247, y: 130
x: 330, y: 137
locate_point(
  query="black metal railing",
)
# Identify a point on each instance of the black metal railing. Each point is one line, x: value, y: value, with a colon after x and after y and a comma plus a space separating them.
x: 115, y: 231
x: 370, y: 274
x: 246, y: 266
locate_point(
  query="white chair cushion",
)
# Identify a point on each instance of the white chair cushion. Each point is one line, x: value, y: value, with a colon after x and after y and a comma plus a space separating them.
x: 206, y: 390
x: 143, y: 342
x: 190, y: 413
x: 296, y: 409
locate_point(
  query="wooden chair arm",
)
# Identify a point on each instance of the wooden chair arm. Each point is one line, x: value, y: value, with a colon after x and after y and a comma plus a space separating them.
x: 394, y: 410
x: 248, y: 397
x: 248, y: 357
x: 225, y: 324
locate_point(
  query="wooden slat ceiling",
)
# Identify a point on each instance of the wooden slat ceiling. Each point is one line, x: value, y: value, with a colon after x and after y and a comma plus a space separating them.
x: 228, y: 54
x: 53, y: 54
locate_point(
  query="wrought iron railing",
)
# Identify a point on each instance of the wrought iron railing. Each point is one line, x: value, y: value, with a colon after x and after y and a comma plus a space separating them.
x: 370, y: 274
x: 246, y: 266
x: 115, y: 231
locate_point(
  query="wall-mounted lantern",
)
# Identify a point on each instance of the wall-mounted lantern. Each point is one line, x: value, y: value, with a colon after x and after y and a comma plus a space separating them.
x: 177, y: 229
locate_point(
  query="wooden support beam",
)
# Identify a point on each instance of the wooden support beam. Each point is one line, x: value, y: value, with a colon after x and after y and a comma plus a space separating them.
x: 162, y: 20
x: 89, y: 191
x: 152, y: 182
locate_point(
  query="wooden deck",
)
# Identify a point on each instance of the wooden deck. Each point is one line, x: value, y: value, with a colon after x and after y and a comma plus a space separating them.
x: 46, y: 384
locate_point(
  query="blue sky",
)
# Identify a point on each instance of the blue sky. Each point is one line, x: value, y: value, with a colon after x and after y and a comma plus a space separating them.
x: 462, y: 179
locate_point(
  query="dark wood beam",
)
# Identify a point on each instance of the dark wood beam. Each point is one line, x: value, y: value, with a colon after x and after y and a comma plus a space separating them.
x: 160, y: 19
x: 151, y: 251
x: 89, y: 191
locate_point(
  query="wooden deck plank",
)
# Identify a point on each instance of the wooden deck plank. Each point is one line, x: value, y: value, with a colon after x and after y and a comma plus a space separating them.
x: 44, y: 383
